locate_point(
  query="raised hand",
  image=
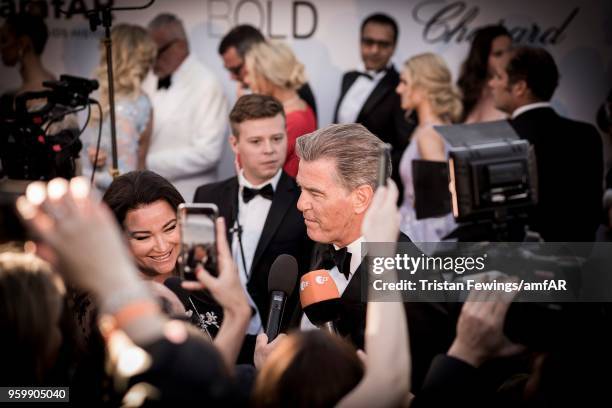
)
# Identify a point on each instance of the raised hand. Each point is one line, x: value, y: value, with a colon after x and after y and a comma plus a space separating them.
x: 81, y: 231
x: 480, y: 329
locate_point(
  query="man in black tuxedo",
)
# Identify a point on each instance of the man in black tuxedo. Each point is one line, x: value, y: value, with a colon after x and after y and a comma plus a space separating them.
x: 368, y: 96
x: 233, y: 49
x: 569, y: 153
x: 338, y: 175
x: 259, y: 205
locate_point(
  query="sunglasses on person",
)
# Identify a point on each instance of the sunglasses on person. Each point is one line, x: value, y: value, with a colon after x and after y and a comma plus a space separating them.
x: 370, y: 42
x: 236, y: 70
x: 166, y: 46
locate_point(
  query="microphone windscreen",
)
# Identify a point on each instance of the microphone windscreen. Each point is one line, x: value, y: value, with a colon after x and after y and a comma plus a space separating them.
x: 317, y: 286
x: 283, y: 274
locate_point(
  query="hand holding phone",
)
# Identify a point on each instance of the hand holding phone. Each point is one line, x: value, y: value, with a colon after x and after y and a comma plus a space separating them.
x: 226, y: 287
x: 198, y: 239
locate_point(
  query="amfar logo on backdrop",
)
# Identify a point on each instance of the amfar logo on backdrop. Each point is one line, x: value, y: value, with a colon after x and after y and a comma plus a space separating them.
x: 446, y: 22
x: 69, y: 8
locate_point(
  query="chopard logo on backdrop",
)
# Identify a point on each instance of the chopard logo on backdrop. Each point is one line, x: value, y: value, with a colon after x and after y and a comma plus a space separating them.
x: 452, y: 22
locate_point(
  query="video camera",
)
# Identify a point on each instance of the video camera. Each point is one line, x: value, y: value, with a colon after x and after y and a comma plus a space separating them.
x: 27, y: 150
x: 493, y: 183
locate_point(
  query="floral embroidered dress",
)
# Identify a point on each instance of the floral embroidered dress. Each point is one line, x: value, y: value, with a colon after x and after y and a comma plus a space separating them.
x: 132, y: 117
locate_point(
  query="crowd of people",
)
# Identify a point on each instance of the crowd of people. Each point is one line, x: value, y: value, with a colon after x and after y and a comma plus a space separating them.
x: 94, y: 300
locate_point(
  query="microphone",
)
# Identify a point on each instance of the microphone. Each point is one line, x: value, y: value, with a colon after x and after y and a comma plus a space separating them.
x: 281, y: 282
x: 320, y: 299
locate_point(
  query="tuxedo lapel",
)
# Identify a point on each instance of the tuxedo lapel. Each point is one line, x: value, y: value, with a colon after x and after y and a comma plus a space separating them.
x: 352, y: 293
x: 229, y: 210
x: 387, y: 84
x: 347, y: 82
x: 283, y: 199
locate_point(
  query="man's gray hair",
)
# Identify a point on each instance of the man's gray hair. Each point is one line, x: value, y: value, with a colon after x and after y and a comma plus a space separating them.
x: 171, y: 23
x: 354, y: 149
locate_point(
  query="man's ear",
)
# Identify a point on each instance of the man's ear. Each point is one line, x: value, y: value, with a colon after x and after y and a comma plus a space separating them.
x: 361, y: 198
x: 520, y: 88
x: 233, y: 141
x: 25, y: 44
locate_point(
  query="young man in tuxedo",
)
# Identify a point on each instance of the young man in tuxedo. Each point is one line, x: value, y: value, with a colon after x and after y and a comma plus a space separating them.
x: 338, y: 176
x: 368, y: 96
x: 259, y: 205
x: 569, y: 153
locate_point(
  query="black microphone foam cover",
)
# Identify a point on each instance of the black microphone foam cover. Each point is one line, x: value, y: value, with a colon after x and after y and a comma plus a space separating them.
x: 283, y: 274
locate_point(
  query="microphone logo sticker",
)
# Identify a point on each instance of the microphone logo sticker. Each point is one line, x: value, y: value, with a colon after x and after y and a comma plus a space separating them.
x: 321, y: 279
x: 303, y: 285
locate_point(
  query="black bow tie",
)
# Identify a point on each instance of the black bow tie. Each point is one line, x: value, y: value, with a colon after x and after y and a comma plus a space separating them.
x: 164, y: 83
x: 340, y: 258
x: 249, y: 193
x: 370, y: 74
x: 365, y: 74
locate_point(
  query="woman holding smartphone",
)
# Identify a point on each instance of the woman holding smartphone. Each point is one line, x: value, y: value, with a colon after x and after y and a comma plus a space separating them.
x: 145, y: 205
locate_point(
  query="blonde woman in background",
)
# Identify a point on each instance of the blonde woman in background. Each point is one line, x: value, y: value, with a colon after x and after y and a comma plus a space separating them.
x: 133, y: 56
x: 273, y: 70
x: 426, y: 87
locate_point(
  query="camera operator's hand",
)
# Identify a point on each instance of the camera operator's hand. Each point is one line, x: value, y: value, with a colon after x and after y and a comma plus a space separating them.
x: 102, y: 156
x: 381, y: 222
x: 228, y: 292
x: 480, y: 336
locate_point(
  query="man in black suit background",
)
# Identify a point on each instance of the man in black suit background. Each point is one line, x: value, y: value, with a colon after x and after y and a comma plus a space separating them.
x: 338, y: 176
x: 368, y: 96
x: 569, y: 153
x: 259, y: 205
x: 233, y: 49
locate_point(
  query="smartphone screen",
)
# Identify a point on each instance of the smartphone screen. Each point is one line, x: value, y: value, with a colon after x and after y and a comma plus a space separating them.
x: 198, y: 239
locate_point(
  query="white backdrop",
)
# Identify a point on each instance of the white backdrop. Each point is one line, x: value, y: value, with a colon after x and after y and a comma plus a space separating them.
x: 325, y: 36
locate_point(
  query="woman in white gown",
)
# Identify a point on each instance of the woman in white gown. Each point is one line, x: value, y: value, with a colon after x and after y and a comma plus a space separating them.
x: 426, y: 87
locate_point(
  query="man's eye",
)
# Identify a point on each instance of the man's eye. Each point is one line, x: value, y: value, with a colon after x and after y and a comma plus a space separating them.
x: 170, y: 228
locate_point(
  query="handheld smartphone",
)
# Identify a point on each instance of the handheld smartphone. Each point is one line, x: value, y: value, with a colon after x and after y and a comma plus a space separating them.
x: 198, y: 238
x: 384, y: 164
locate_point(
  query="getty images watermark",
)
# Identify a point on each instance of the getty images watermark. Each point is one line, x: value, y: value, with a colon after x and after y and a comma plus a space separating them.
x: 447, y: 272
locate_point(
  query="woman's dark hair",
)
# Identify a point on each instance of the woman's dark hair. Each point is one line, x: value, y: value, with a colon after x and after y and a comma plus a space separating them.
x: 137, y: 188
x: 309, y: 369
x: 31, y: 26
x: 475, y: 69
x: 29, y: 293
